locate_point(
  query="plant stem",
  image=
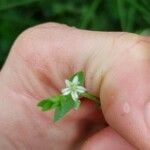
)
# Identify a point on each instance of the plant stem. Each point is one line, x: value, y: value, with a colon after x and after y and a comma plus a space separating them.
x: 89, y: 13
x: 139, y: 7
x: 91, y: 97
x: 122, y: 13
x: 12, y: 5
x: 130, y: 19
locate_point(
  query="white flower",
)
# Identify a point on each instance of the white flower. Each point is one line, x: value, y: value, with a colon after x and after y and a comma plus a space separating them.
x: 73, y: 88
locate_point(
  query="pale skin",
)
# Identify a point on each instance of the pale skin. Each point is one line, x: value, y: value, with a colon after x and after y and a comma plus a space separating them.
x: 117, y: 69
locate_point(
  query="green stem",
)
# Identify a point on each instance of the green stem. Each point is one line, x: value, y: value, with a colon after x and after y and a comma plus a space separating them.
x: 122, y: 13
x: 130, y: 19
x: 91, y: 97
x: 139, y: 7
x: 89, y: 13
x: 12, y: 5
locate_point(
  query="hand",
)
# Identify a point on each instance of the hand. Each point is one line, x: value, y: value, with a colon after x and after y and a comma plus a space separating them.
x: 117, y: 68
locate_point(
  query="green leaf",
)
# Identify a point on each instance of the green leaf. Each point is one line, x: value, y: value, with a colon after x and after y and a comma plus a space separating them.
x: 80, y: 76
x: 7, y: 4
x: 66, y: 103
x: 45, y: 105
x: 49, y: 103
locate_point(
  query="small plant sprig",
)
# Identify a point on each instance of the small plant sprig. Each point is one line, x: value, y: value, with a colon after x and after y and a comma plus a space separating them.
x: 69, y: 97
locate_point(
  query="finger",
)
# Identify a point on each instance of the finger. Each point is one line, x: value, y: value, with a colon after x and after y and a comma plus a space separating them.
x: 125, y: 96
x: 107, y: 139
x: 40, y: 60
x: 47, y: 54
x: 44, y: 56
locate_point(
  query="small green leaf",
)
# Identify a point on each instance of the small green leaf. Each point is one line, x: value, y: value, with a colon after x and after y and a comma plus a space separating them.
x: 45, y: 104
x: 49, y: 103
x: 66, y: 103
x: 58, y: 114
x: 80, y: 76
x: 76, y: 104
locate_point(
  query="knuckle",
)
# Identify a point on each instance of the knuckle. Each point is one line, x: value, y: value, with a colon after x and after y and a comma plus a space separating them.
x: 132, y: 47
x: 39, y: 42
x: 35, y: 51
x: 140, y: 51
x: 36, y: 37
x: 127, y: 41
x: 38, y: 47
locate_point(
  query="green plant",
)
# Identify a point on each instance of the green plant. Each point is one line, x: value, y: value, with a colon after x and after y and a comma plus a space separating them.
x: 70, y: 97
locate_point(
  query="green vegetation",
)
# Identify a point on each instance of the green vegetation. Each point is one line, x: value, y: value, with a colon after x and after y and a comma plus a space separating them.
x: 104, y: 15
x: 69, y: 99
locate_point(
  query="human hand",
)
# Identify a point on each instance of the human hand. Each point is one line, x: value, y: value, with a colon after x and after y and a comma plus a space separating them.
x: 116, y: 66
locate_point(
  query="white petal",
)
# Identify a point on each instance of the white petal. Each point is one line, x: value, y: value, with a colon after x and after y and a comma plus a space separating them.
x: 66, y: 91
x: 74, y: 96
x: 75, y: 80
x: 81, y: 89
x: 68, y: 83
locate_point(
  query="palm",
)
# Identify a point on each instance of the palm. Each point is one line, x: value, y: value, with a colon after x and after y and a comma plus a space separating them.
x: 38, y: 126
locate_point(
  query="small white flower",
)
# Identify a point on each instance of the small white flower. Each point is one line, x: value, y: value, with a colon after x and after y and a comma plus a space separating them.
x: 73, y: 88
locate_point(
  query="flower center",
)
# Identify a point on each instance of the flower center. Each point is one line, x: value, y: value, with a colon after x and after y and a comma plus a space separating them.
x: 73, y: 87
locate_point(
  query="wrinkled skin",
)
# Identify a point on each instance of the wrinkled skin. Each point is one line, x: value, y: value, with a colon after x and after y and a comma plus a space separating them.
x: 117, y: 70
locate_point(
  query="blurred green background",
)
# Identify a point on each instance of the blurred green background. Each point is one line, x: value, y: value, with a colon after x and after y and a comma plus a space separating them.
x: 105, y: 15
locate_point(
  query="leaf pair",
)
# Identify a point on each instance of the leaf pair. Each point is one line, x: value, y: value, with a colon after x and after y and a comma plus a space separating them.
x: 62, y: 104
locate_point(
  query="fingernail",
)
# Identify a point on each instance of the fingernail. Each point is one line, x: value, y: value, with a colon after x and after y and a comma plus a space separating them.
x: 147, y: 114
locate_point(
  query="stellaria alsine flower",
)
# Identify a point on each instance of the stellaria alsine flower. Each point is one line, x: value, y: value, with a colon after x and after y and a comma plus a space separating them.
x: 74, y: 88
x: 69, y: 97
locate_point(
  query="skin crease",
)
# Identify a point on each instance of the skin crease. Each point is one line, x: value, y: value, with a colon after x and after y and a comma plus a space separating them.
x: 116, y: 67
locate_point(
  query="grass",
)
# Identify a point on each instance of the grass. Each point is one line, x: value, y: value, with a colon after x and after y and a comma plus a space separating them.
x: 104, y: 15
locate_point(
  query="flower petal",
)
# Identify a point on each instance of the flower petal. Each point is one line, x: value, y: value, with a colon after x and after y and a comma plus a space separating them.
x: 74, y: 96
x: 66, y: 91
x: 81, y: 89
x: 75, y: 80
x: 68, y: 83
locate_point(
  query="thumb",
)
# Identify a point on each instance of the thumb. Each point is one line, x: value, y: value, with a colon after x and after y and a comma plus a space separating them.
x: 125, y: 95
